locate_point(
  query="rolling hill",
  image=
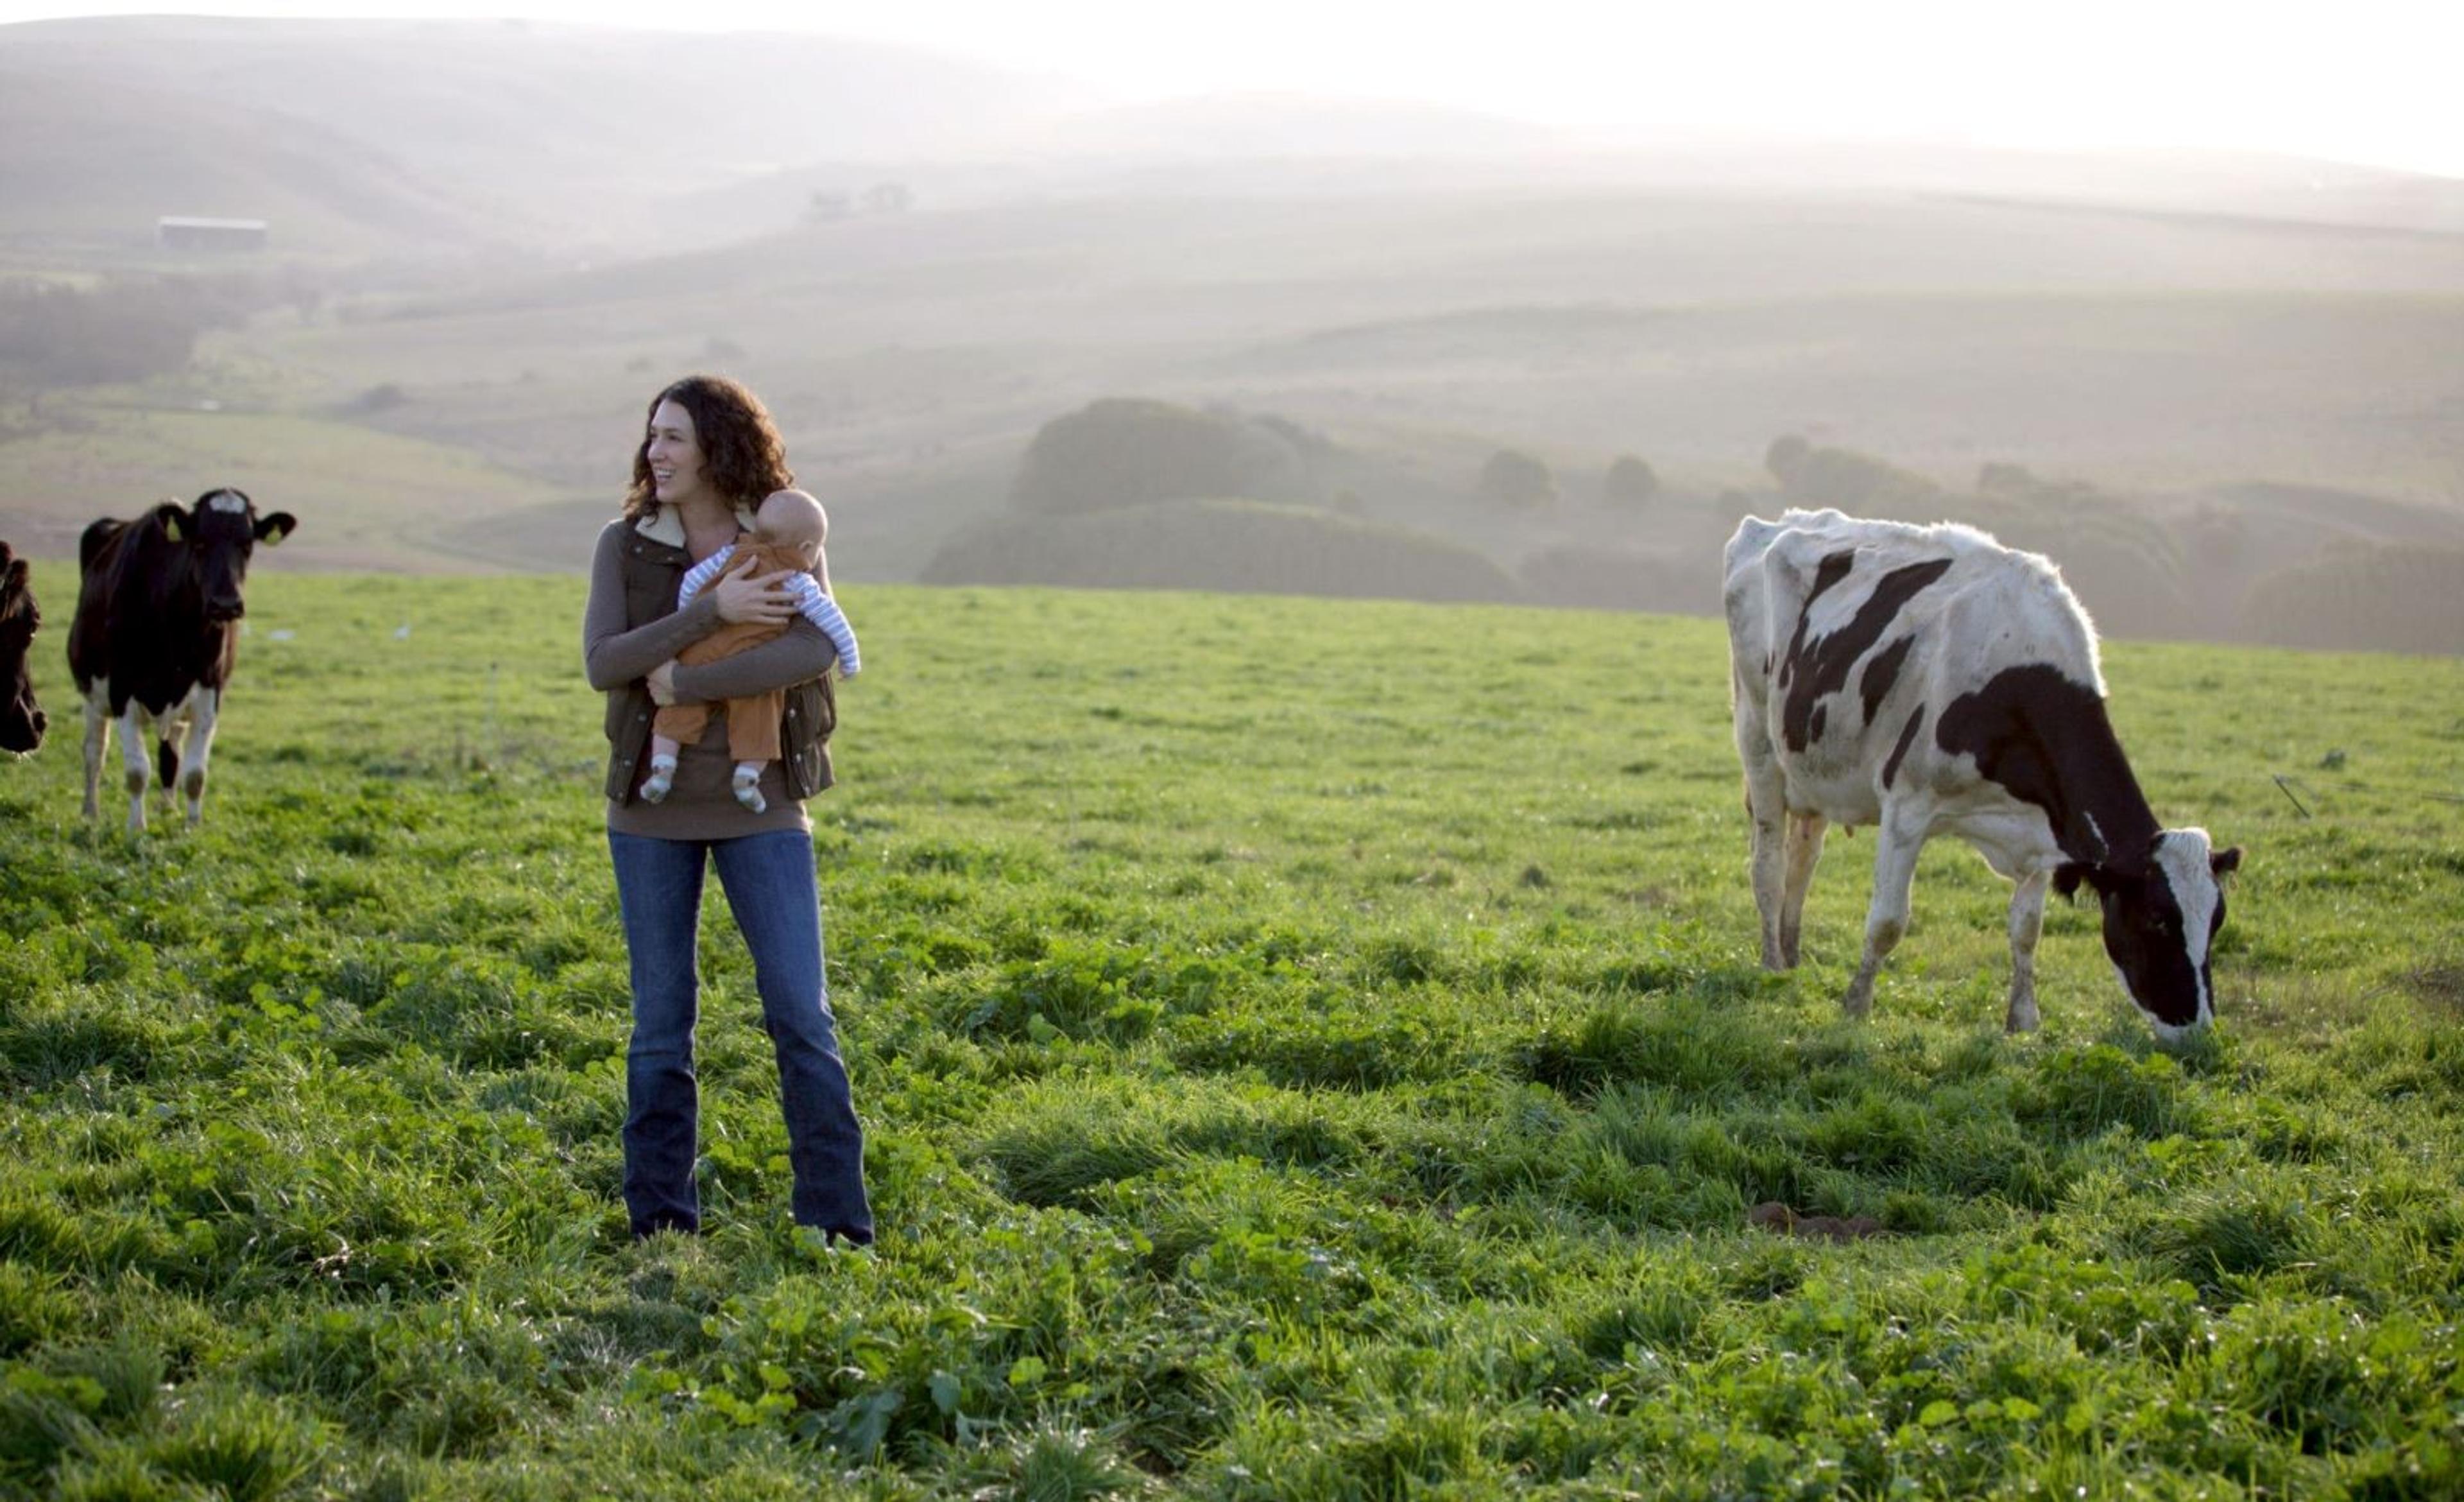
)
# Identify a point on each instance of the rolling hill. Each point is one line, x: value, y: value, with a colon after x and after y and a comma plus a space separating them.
x: 507, y: 265
x: 93, y: 162
x: 534, y: 133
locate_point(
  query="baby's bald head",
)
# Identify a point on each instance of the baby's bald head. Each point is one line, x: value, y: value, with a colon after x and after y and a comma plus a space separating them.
x: 794, y: 518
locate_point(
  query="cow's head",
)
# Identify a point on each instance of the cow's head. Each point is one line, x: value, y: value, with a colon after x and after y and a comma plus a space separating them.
x: 18, y: 617
x: 2161, y: 922
x: 21, y: 720
x: 221, y: 531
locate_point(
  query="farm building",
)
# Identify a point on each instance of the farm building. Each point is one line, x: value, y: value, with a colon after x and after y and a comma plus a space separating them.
x: 178, y: 232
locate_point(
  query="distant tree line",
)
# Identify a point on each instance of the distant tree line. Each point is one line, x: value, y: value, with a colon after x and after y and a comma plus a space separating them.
x: 2122, y: 563
x: 2385, y: 598
x: 64, y: 336
x: 1139, y: 493
x: 128, y: 329
x: 1514, y: 481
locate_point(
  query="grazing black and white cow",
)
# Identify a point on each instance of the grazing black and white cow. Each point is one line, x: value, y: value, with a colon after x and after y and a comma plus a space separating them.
x: 1928, y: 680
x: 21, y: 719
x: 157, y: 630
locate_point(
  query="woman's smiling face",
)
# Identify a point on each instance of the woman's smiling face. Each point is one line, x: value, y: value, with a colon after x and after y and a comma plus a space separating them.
x: 674, y: 453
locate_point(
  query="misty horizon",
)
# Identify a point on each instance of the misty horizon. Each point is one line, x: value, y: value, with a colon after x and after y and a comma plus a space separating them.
x: 2196, y: 78
x: 1472, y: 356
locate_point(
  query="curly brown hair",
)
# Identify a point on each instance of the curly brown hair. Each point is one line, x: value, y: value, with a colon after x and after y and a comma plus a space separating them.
x: 743, y: 457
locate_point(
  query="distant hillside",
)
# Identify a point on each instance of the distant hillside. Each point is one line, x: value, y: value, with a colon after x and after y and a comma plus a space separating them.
x: 528, y: 129
x: 2248, y: 362
x: 398, y: 137
x: 78, y: 174
x: 1235, y: 126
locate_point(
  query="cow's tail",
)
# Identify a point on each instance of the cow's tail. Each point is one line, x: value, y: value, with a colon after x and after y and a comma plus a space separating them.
x: 167, y: 761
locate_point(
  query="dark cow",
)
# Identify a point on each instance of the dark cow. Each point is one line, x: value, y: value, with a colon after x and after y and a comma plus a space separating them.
x: 156, y: 631
x: 1927, y: 680
x: 21, y: 719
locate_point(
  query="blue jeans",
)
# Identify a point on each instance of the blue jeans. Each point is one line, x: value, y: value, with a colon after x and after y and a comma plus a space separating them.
x: 770, y: 887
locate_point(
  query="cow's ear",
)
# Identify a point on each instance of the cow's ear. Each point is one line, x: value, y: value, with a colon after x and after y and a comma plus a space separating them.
x: 2068, y: 876
x: 175, y: 520
x: 273, y: 529
x: 2224, y: 860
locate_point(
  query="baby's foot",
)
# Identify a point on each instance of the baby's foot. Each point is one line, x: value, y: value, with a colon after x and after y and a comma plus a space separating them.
x: 661, y: 778
x: 748, y: 788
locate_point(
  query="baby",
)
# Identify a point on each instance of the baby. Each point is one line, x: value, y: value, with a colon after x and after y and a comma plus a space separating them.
x: 787, y: 534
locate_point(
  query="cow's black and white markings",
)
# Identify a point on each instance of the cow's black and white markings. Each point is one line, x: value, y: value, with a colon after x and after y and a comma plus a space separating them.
x: 1927, y: 680
x: 21, y: 720
x: 156, y: 632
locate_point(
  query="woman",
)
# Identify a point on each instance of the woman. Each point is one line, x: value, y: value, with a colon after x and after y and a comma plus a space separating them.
x: 708, y: 453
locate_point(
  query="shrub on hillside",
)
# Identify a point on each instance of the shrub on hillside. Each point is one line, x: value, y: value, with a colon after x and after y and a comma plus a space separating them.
x: 1856, y: 483
x: 1516, y: 480
x: 1237, y: 545
x: 2396, y: 598
x: 1786, y: 452
x: 1131, y: 452
x: 1629, y: 484
x: 2123, y: 565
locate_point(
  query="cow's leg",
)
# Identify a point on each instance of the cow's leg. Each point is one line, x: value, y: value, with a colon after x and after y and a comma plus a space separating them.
x: 98, y: 743
x: 205, y: 706
x: 2027, y: 922
x: 1765, y: 820
x: 167, y: 761
x: 1805, y: 832
x: 134, y: 742
x: 1895, y: 871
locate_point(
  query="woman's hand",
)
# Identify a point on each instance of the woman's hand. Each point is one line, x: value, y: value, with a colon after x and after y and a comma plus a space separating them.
x: 662, y: 684
x: 746, y: 597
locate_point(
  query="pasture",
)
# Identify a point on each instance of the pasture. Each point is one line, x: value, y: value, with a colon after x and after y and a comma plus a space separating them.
x: 1311, y: 1049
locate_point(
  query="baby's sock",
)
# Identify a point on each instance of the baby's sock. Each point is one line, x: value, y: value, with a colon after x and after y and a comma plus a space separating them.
x: 661, y: 778
x: 748, y: 786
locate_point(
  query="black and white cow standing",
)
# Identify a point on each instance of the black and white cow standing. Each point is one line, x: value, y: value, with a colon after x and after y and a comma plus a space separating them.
x: 1928, y: 680
x: 21, y: 719
x: 156, y: 632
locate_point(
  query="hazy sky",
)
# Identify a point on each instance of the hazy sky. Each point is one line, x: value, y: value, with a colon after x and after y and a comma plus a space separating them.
x: 2360, y: 81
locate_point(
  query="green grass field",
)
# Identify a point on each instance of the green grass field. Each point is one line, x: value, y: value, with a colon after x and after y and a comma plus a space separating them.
x: 1311, y: 1049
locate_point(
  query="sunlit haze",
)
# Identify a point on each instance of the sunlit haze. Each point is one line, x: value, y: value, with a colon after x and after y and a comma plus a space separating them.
x: 2367, y: 82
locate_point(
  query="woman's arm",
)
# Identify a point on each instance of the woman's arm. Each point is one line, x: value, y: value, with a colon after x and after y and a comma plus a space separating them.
x: 612, y: 656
